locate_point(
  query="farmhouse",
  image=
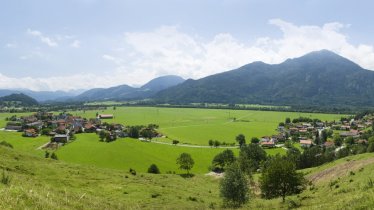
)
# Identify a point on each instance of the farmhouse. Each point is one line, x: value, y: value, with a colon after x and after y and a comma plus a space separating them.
x: 306, y: 143
x: 268, y: 144
x: 105, y: 116
x: 30, y: 133
x: 60, y: 138
x: 14, y: 126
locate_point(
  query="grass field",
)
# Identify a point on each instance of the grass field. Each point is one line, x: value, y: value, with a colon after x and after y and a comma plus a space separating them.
x: 38, y: 183
x: 192, y: 126
x: 197, y: 126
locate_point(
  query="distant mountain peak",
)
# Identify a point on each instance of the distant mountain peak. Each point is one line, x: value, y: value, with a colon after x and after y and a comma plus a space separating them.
x: 163, y: 82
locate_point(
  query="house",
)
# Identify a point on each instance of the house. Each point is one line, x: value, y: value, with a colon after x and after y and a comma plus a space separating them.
x: 306, y: 143
x: 351, y: 133
x: 329, y: 144
x: 16, y: 126
x: 269, y: 144
x: 60, y: 138
x: 37, y: 124
x: 105, y: 116
x: 89, y: 128
x: 30, y: 133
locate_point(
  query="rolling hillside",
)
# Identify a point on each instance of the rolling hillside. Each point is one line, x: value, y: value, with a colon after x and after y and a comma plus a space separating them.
x: 320, y: 78
x: 38, y: 183
x: 18, y: 98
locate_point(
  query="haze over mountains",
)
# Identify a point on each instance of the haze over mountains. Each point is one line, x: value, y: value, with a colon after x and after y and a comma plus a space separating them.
x: 320, y: 78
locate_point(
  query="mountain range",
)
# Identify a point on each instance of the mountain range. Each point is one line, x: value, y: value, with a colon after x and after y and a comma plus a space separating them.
x: 125, y: 92
x: 320, y: 78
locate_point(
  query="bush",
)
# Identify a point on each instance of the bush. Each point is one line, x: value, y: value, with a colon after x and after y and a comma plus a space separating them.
x: 5, y: 179
x: 153, y: 169
x: 132, y: 171
x: 6, y: 144
x: 46, y: 155
x: 54, y: 156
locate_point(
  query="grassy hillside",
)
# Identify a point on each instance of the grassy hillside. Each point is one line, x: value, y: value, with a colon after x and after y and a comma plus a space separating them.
x: 38, y: 183
x: 47, y: 184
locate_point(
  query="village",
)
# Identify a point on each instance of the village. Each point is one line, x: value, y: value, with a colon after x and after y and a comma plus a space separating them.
x: 304, y: 131
x: 309, y: 132
x: 63, y: 127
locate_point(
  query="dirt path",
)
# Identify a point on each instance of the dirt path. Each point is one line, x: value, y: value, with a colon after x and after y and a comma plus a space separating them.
x: 339, y: 170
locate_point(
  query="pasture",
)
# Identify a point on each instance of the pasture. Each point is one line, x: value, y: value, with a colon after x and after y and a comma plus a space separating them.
x: 197, y: 126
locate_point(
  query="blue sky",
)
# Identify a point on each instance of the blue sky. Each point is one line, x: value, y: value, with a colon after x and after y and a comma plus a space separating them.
x: 82, y: 44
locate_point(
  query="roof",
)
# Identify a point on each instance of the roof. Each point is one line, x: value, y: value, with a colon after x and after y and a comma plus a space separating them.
x: 306, y: 142
x: 61, y: 136
x: 267, y: 143
x: 105, y: 115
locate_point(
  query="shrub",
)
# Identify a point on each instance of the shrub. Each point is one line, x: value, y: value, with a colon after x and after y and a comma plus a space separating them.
x: 5, y: 179
x: 153, y: 169
x: 54, y: 156
x: 155, y: 195
x: 132, y: 171
x: 6, y: 144
x: 46, y: 155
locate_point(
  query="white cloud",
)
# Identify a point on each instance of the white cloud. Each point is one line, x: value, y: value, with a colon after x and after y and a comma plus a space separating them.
x: 75, y: 44
x: 11, y: 45
x: 141, y: 56
x: 45, y: 39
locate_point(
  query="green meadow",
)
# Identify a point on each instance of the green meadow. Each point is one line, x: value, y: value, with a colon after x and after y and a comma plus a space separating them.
x: 125, y: 153
x: 190, y: 126
x: 197, y: 126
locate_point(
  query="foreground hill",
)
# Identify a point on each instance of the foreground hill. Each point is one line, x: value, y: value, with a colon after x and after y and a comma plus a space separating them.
x: 37, y: 183
x: 319, y: 78
x: 19, y: 99
x: 125, y: 92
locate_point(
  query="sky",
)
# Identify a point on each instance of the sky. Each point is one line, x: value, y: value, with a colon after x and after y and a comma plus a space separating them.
x: 83, y: 44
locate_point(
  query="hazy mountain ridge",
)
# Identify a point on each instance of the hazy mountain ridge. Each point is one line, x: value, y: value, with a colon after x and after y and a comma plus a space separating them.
x: 125, y: 92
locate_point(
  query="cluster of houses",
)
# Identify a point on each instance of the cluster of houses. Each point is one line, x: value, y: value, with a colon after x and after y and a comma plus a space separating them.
x: 307, y: 132
x: 63, y: 126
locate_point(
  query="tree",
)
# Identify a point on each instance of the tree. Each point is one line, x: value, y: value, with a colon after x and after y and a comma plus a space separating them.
x: 234, y: 187
x: 216, y: 143
x: 102, y: 135
x: 294, y: 154
x: 280, y: 178
x: 250, y: 157
x: 223, y: 159
x: 338, y: 141
x: 175, y: 142
x: 185, y: 162
x: 211, y: 142
x: 153, y: 169
x: 255, y: 140
x: 349, y: 140
x: 134, y: 132
x: 370, y: 147
x: 241, y: 140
